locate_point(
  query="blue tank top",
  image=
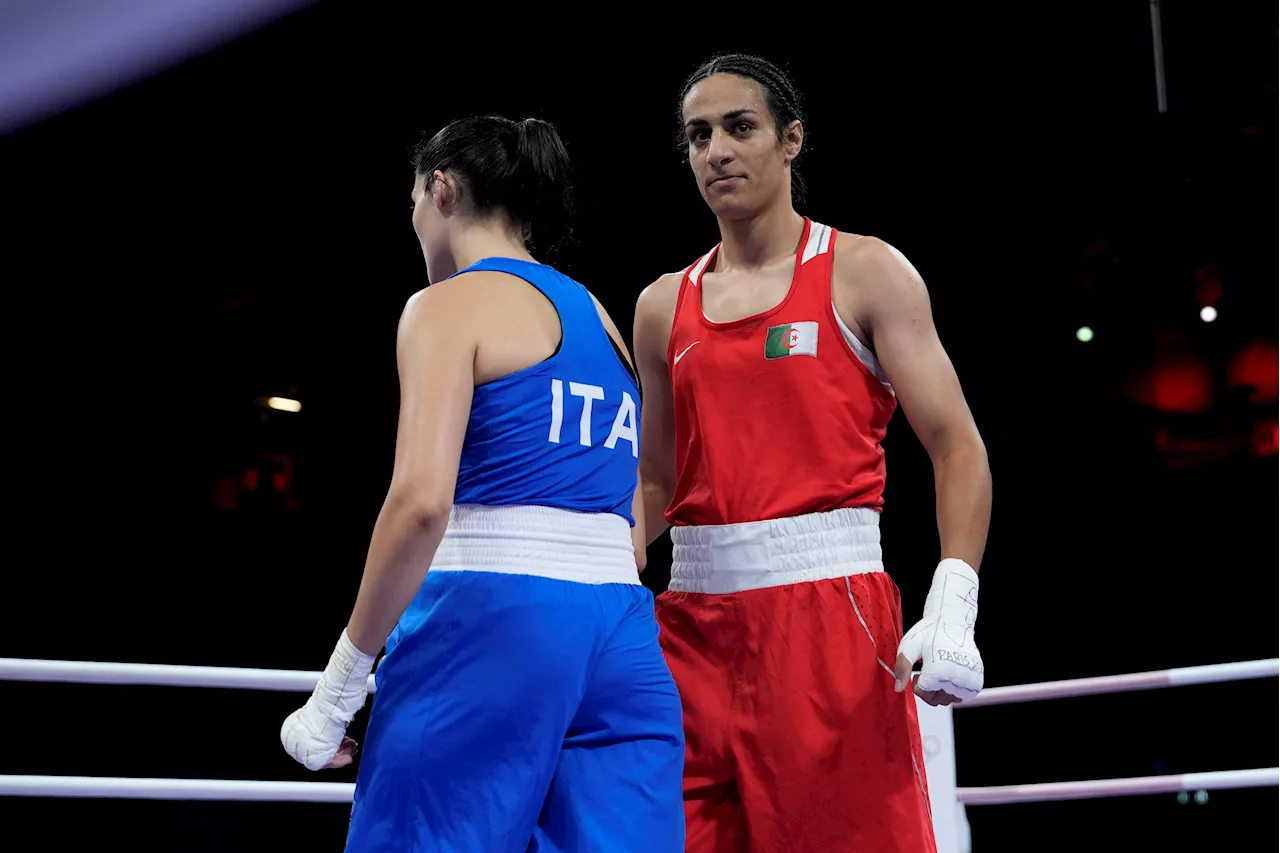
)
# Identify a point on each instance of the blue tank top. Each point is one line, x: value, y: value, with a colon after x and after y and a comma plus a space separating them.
x: 563, y: 433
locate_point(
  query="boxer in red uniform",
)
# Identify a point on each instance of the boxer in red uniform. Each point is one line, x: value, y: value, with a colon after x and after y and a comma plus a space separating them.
x: 771, y: 368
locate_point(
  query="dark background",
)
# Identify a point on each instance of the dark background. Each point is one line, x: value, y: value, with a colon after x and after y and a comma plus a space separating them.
x: 238, y: 227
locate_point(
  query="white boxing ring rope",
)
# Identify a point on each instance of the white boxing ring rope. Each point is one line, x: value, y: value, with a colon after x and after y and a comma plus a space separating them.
x: 159, y: 675
x: 1210, y: 674
x: 341, y: 792
x: 89, y: 672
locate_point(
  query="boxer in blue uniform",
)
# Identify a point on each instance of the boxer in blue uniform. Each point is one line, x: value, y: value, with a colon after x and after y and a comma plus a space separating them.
x: 523, y: 703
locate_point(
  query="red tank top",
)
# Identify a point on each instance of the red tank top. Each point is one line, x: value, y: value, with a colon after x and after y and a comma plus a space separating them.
x: 775, y: 414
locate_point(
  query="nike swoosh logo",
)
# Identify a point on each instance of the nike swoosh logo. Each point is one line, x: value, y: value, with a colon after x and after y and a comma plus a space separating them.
x: 680, y: 354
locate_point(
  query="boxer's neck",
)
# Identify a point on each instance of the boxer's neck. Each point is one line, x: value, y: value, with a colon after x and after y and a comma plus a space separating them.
x: 761, y: 240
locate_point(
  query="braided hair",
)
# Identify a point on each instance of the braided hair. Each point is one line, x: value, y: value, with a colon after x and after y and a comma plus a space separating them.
x: 779, y: 92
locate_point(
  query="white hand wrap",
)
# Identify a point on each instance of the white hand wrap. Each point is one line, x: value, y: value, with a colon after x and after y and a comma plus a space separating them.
x: 313, y: 733
x: 943, y: 638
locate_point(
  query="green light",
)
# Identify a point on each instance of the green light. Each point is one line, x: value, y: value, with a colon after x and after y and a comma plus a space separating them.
x: 1084, y: 334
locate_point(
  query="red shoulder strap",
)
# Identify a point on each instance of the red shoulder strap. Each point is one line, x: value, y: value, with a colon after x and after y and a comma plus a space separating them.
x: 815, y: 262
x: 688, y: 296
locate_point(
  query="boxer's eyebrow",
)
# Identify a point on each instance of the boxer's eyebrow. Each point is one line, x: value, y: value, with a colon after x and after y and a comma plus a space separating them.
x: 729, y: 116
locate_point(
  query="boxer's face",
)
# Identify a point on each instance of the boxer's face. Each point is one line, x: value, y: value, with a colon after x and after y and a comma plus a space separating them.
x: 429, y: 225
x: 734, y: 150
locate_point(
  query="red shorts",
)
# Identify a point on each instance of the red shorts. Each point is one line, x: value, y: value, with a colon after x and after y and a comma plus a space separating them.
x: 795, y: 738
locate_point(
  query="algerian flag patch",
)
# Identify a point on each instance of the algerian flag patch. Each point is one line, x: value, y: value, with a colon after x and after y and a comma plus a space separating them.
x: 792, y: 339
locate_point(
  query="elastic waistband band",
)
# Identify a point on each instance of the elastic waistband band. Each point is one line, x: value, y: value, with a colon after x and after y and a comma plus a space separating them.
x: 536, y: 540
x: 758, y: 554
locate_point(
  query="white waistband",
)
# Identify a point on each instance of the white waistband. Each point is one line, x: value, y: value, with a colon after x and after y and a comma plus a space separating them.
x: 758, y: 554
x: 586, y: 547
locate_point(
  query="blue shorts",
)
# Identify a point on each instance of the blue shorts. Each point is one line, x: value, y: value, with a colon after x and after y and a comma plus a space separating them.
x: 519, y: 713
